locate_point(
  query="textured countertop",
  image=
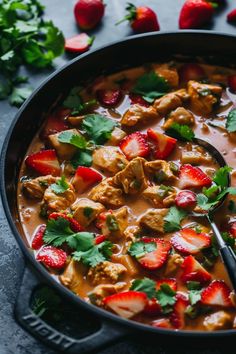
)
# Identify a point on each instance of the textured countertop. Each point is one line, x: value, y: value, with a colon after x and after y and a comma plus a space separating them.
x: 13, y: 339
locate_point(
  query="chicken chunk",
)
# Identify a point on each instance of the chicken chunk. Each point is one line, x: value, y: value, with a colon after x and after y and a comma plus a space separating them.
x: 64, y: 151
x: 109, y: 158
x: 132, y: 178
x: 132, y: 232
x: 195, y: 155
x: 116, y: 136
x: 153, y: 219
x: 160, y: 196
x: 128, y: 262
x: 72, y: 277
x: 57, y: 202
x: 180, y: 116
x: 106, y: 273
x: 35, y: 188
x: 160, y: 170
x: 139, y: 114
x: 114, y: 222
x: 168, y: 72
x: 107, y: 194
x: 217, y: 321
x: 173, y: 264
x: 170, y: 101
x: 203, y: 97
x: 97, y: 295
x: 86, y: 211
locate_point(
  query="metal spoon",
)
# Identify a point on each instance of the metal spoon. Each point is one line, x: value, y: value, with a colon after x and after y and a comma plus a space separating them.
x: 226, y: 253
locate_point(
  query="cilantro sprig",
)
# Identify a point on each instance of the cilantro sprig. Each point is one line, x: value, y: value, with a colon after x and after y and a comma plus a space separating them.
x: 139, y: 249
x: 98, y: 127
x: 146, y: 285
x: 60, y: 186
x: 76, y: 140
x: 180, y: 132
x: 231, y: 121
x: 173, y: 219
x: 75, y: 102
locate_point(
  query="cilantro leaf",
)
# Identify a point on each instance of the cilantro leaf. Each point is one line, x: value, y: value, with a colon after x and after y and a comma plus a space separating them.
x: 57, y: 231
x: 194, y: 296
x: 60, y: 186
x: 19, y: 95
x: 193, y: 285
x: 76, y: 140
x: 231, y: 121
x: 146, y: 285
x: 88, y: 211
x: 82, y: 158
x: 181, y: 132
x: 173, y: 219
x: 204, y: 203
x: 75, y: 102
x: 166, y: 298
x: 221, y: 177
x: 112, y: 223
x: 150, y: 86
x: 98, y: 127
x: 94, y: 255
x: 81, y: 241
x: 139, y: 249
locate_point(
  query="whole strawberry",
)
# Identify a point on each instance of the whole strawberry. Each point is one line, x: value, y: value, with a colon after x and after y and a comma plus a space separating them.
x: 88, y: 13
x: 195, y: 13
x: 142, y: 19
x: 231, y: 17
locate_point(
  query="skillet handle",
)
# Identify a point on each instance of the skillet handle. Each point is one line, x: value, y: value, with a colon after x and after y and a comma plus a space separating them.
x: 105, y: 335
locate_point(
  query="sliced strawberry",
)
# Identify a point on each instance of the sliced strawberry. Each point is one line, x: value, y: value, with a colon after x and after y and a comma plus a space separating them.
x: 169, y: 281
x: 52, y: 257
x: 44, y: 162
x: 79, y: 43
x: 189, y: 241
x: 135, y: 145
x: 231, y: 17
x: 177, y: 317
x: 109, y: 98
x: 191, y: 71
x: 74, y: 225
x: 193, y: 271
x: 162, y: 323
x: 126, y: 304
x: 99, y: 239
x: 84, y: 178
x: 152, y: 308
x: 186, y: 199
x: 54, y: 125
x: 232, y: 83
x: 163, y: 145
x: 137, y: 99
x: 155, y: 259
x: 191, y: 176
x: 232, y: 229
x: 217, y: 294
x: 37, y: 241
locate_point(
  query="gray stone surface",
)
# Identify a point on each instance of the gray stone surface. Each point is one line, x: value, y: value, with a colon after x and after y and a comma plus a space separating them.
x: 14, y: 340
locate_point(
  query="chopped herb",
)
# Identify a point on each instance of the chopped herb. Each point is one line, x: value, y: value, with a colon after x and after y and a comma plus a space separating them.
x: 76, y: 140
x: 173, y: 219
x: 204, y: 92
x: 198, y: 229
x: 139, y: 249
x: 221, y: 177
x: 174, y: 168
x: 94, y: 255
x: 98, y: 127
x: 43, y: 183
x: 194, y: 296
x: 160, y: 176
x: 82, y: 158
x: 88, y: 211
x: 193, y: 285
x: 146, y: 285
x: 192, y: 311
x: 75, y: 102
x: 19, y: 95
x: 57, y: 231
x: 166, y: 298
x: 60, y: 186
x: 151, y: 86
x: 181, y: 132
x: 231, y: 121
x: 136, y: 184
x: 112, y: 223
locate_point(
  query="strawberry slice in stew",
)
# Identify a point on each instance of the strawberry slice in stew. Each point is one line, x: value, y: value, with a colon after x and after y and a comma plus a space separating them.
x: 155, y: 259
x: 52, y: 257
x: 191, y: 71
x: 169, y: 281
x: 163, y: 145
x: 191, y: 176
x: 217, y: 294
x: 135, y: 145
x: 232, y: 83
x: 79, y: 43
x: 84, y: 178
x: 126, y: 304
x: 188, y: 241
x: 55, y: 123
x: 177, y: 317
x: 74, y: 225
x: 44, y: 162
x: 37, y: 241
x: 152, y: 308
x: 194, y: 271
x: 109, y: 98
x: 186, y: 199
x: 137, y: 99
x: 162, y: 323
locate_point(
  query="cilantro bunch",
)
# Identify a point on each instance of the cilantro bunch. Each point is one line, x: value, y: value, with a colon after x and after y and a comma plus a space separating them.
x: 25, y: 39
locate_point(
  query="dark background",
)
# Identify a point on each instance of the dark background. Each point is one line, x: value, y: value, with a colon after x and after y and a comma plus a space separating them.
x: 13, y: 339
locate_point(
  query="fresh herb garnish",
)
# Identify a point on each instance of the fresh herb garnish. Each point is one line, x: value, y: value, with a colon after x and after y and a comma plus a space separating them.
x: 19, y: 95
x: 82, y: 158
x: 57, y: 231
x: 112, y: 223
x: 146, y: 285
x: 139, y: 249
x: 173, y: 219
x: 60, y: 186
x: 231, y: 121
x: 166, y: 298
x: 194, y: 296
x: 150, y: 86
x: 88, y: 211
x: 181, y: 132
x: 76, y: 140
x: 98, y: 127
x: 193, y: 285
x: 95, y: 254
x: 75, y: 102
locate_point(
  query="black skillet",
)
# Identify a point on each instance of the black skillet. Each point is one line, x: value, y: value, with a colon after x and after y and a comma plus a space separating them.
x: 217, y: 49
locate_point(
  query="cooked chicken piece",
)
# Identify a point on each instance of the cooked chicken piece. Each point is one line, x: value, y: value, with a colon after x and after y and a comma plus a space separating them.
x: 195, y: 155
x: 64, y: 151
x: 180, y: 116
x: 132, y: 178
x: 116, y: 136
x: 85, y: 211
x: 109, y: 158
x: 170, y: 101
x: 107, y: 194
x: 161, y: 196
x: 57, y: 202
x: 100, y: 291
x: 131, y: 233
x: 72, y: 277
x: 168, y: 72
x: 203, y: 97
x: 160, y: 170
x: 217, y: 321
x: 106, y: 273
x: 35, y: 188
x: 129, y: 262
x: 173, y: 264
x: 153, y: 219
x: 139, y: 114
x: 114, y: 222
x: 75, y: 121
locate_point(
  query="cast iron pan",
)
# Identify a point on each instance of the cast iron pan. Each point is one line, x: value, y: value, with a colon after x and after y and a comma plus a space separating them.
x: 216, y: 48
